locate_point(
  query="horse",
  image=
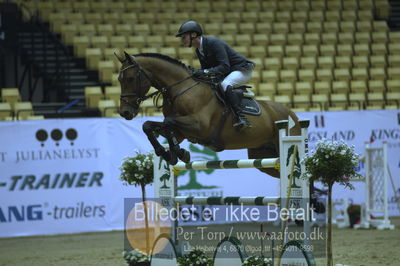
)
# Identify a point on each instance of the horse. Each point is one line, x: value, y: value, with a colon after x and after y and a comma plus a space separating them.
x: 192, y: 111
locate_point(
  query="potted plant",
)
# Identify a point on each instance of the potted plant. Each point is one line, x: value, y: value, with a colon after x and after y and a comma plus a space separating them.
x: 332, y: 161
x: 138, y: 171
x: 196, y: 258
x: 257, y: 261
x: 136, y: 258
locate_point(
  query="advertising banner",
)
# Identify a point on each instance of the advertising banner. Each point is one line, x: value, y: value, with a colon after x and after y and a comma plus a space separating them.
x: 62, y: 176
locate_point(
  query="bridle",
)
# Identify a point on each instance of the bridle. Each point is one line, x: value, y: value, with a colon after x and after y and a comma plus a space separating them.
x: 139, y: 99
x: 162, y: 91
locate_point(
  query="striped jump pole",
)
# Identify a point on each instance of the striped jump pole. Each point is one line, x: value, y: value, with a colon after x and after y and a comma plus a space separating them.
x: 228, y: 164
x: 253, y: 201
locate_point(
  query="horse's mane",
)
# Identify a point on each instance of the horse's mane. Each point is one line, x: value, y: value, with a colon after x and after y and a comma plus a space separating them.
x: 166, y: 58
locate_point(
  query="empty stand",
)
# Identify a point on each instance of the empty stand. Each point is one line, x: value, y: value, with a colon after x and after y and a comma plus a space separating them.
x: 22, y: 110
x: 326, y: 53
x: 10, y: 96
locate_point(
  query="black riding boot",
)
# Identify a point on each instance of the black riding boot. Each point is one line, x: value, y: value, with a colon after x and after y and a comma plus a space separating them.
x: 234, y: 100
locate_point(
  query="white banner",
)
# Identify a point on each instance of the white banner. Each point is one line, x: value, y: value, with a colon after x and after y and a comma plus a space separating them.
x: 62, y: 176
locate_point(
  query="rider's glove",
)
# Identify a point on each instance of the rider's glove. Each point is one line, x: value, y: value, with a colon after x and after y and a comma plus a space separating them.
x: 200, y: 73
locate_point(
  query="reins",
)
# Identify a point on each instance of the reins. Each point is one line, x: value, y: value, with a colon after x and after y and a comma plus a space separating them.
x: 160, y: 92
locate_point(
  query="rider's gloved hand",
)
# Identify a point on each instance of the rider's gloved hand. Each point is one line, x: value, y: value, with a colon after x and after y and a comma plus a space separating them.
x: 201, y: 73
x: 198, y: 73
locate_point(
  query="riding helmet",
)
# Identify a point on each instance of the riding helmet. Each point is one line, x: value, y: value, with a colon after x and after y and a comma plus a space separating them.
x: 190, y: 26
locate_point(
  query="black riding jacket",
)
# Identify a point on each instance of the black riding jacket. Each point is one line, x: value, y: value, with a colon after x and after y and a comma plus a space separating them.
x: 220, y: 58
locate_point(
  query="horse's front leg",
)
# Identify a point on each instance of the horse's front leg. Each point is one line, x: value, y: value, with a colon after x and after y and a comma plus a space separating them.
x: 151, y: 128
x: 187, y: 124
x: 174, y: 139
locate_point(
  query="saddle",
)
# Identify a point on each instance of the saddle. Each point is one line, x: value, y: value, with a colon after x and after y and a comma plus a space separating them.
x: 248, y: 104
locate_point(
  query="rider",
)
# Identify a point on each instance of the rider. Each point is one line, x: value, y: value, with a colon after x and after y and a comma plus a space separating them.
x: 217, y: 57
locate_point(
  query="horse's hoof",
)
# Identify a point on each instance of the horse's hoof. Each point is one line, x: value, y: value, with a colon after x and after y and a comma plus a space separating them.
x: 184, y: 155
x: 173, y: 160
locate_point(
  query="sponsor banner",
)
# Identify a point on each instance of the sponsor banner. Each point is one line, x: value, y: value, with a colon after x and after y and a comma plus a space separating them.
x: 62, y: 176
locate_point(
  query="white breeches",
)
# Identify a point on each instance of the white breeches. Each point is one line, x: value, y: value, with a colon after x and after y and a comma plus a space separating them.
x: 237, y: 78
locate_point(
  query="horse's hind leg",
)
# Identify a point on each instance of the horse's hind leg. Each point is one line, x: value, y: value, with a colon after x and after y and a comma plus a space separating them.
x: 268, y: 150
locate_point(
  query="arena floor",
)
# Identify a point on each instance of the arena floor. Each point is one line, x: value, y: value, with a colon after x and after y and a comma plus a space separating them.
x: 351, y: 247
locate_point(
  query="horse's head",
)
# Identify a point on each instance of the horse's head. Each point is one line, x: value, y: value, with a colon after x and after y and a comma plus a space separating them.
x: 135, y: 83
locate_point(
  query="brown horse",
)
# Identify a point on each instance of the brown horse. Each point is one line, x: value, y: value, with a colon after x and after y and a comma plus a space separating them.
x: 192, y: 111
